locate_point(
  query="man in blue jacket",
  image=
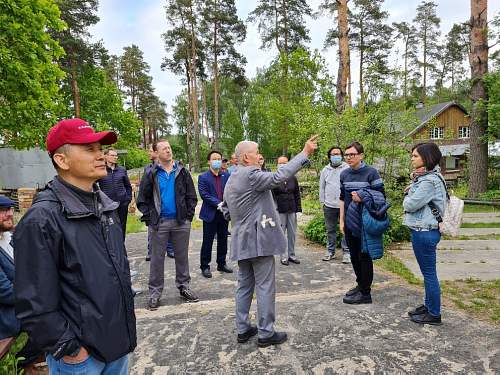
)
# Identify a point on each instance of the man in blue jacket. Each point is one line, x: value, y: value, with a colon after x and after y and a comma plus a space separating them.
x: 116, y: 185
x: 211, y: 186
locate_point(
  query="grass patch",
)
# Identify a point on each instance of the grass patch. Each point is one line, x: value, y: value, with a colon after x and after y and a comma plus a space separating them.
x: 134, y: 225
x: 475, y: 208
x: 480, y: 225
x: 480, y: 298
x: 392, y: 264
x: 310, y: 206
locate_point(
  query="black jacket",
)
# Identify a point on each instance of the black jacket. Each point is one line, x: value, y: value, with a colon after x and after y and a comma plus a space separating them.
x: 116, y: 185
x: 287, y: 196
x: 149, y: 200
x: 72, y: 280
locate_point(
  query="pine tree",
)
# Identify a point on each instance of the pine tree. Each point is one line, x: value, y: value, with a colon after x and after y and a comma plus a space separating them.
x: 79, y: 15
x: 370, y: 37
x: 427, y: 25
x: 407, y: 34
x: 340, y: 36
x: 134, y: 74
x: 222, y: 30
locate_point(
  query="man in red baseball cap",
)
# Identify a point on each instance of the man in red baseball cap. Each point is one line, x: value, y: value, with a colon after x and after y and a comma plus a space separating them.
x: 72, y: 281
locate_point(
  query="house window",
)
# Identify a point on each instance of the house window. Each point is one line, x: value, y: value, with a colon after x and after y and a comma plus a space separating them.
x: 436, y: 133
x: 463, y: 132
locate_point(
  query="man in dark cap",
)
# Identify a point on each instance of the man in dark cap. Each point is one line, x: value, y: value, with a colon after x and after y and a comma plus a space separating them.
x: 72, y: 284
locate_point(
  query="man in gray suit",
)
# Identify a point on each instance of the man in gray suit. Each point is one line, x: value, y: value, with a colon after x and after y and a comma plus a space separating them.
x: 257, y: 236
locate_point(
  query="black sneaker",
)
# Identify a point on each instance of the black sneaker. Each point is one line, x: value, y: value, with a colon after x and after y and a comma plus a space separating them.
x: 358, y: 299
x: 170, y: 255
x: 294, y: 259
x: 276, y: 339
x: 426, y: 318
x: 352, y: 291
x: 418, y: 310
x: 153, y: 303
x: 244, y: 337
x: 188, y: 295
x: 148, y: 258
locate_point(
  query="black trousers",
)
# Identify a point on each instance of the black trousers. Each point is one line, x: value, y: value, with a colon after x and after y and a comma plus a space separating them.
x: 361, y: 263
x: 122, y: 211
x: 217, y: 227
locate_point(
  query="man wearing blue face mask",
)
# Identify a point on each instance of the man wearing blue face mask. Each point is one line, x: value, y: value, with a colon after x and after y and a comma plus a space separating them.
x: 329, y: 197
x: 211, y: 186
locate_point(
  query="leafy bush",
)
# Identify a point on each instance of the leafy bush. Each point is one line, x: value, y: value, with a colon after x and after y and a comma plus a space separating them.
x: 490, y: 194
x: 315, y: 230
x: 9, y: 363
x: 136, y: 158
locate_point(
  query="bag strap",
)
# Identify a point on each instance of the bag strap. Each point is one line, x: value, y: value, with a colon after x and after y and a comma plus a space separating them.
x: 433, y: 207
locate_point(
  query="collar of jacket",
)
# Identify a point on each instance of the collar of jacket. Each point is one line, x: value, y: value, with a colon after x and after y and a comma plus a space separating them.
x: 176, y: 169
x: 72, y: 206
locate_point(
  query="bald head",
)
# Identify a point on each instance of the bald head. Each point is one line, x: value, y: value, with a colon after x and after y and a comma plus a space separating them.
x: 247, y: 153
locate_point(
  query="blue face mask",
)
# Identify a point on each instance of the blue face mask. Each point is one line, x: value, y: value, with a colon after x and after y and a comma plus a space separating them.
x: 336, y: 160
x: 216, y: 164
x: 281, y: 166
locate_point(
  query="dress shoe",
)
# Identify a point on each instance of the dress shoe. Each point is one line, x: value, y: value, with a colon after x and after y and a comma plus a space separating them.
x: 426, y: 318
x: 294, y: 259
x: 148, y: 258
x: 352, y: 291
x: 358, y: 299
x: 188, y: 295
x: 244, y: 337
x: 284, y: 261
x: 276, y: 339
x: 206, y: 273
x: 418, y: 310
x: 224, y: 269
x: 153, y: 303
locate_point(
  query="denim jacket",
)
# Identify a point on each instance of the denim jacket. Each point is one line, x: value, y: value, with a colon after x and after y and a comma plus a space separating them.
x: 423, y: 190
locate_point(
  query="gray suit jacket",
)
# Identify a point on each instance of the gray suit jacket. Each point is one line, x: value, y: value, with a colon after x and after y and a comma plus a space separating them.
x: 249, y: 203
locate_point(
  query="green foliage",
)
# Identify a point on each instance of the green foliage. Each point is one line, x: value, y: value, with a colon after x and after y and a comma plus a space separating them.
x: 136, y: 158
x: 392, y: 264
x: 493, y: 86
x: 9, y: 363
x: 29, y: 77
x: 134, y: 225
x: 315, y: 230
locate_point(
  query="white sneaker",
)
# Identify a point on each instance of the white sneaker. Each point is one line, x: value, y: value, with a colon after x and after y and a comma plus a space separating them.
x: 346, y: 259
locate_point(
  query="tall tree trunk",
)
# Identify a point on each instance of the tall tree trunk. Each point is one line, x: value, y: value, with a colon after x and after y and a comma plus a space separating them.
x: 216, y: 88
x: 424, y: 91
x: 189, y: 115
x: 349, y: 85
x: 194, y: 95
x: 344, y: 60
x: 405, y: 73
x: 276, y: 25
x: 74, y: 87
x: 361, y: 79
x: 204, y: 117
x: 478, y: 157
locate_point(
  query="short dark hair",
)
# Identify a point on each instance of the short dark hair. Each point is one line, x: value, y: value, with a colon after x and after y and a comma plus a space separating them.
x: 213, y: 152
x: 334, y: 148
x: 430, y: 154
x: 358, y: 146
x: 224, y: 160
x: 155, y: 144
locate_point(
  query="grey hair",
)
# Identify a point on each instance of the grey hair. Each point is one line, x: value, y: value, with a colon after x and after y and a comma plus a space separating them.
x: 242, y: 147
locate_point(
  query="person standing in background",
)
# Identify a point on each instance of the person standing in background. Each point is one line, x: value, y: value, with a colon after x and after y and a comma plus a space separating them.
x: 329, y: 197
x: 287, y: 196
x: 116, y: 185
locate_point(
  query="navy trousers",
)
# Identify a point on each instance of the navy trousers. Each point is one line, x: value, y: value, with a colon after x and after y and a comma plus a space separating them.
x: 217, y: 227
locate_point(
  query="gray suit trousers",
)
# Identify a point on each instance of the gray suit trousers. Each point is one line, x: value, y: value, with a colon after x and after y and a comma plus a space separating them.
x: 256, y: 273
x: 169, y: 229
x: 289, y: 225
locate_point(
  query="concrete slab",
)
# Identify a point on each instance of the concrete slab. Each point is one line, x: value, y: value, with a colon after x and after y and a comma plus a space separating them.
x: 458, y: 264
x: 325, y: 335
x: 478, y: 231
x: 481, y: 217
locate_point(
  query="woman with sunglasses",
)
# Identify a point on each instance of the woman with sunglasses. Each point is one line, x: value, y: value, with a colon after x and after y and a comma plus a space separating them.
x: 358, y: 176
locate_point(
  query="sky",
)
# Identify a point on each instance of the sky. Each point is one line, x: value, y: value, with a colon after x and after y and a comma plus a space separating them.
x: 141, y: 22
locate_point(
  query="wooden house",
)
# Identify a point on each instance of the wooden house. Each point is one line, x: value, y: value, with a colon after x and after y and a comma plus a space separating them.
x: 446, y: 124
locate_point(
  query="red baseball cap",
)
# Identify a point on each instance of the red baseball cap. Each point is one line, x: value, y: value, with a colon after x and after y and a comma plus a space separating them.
x: 78, y: 132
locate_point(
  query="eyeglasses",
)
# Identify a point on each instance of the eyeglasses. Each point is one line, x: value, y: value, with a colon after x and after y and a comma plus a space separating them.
x: 349, y: 156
